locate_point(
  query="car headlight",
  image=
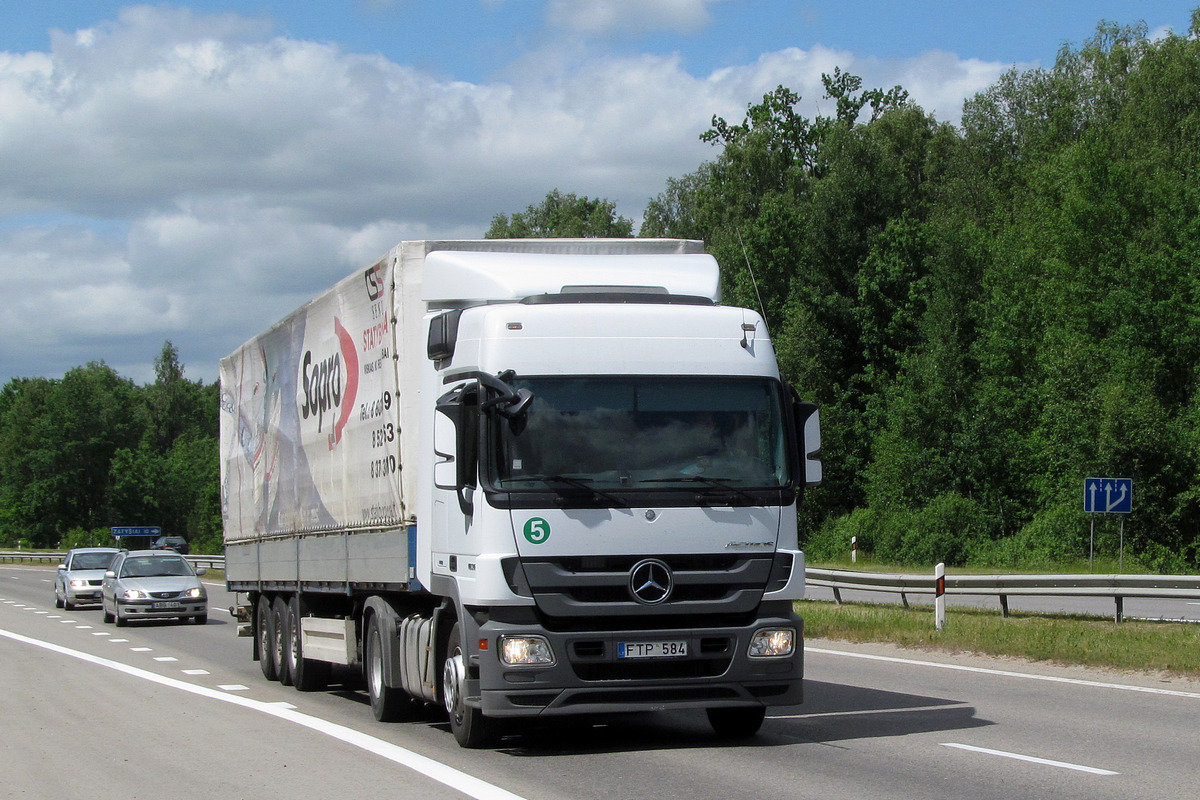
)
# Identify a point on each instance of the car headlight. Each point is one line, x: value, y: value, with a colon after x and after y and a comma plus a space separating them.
x: 772, y: 643
x: 525, y: 651
x: 197, y: 591
x: 78, y: 583
x: 135, y: 594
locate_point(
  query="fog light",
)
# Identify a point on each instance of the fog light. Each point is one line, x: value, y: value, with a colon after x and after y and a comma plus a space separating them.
x: 525, y: 651
x: 772, y: 643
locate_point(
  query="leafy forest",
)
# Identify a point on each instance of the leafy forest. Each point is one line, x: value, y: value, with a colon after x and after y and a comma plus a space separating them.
x: 987, y: 314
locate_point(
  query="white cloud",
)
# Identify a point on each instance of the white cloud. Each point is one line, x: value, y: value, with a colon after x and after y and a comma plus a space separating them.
x: 188, y: 177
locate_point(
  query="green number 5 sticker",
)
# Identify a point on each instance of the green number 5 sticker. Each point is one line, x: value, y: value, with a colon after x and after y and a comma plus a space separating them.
x: 537, y: 530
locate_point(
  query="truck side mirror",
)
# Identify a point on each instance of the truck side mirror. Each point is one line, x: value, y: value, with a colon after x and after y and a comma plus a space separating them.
x: 808, y: 433
x: 456, y: 443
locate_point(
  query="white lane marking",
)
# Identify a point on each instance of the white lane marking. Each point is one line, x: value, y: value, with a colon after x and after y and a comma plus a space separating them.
x: 165, y: 658
x: 1008, y: 673
x: 1031, y: 759
x: 872, y: 711
x: 233, y: 687
x: 195, y: 672
x: 435, y: 770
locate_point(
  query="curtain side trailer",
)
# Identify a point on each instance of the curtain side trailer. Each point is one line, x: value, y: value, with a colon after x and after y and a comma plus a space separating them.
x: 522, y: 478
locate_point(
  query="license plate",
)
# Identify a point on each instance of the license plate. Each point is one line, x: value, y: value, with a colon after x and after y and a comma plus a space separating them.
x: 673, y: 648
x: 168, y: 604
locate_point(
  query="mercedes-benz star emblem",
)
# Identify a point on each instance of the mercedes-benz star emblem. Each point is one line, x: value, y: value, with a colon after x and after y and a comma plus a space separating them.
x: 650, y: 581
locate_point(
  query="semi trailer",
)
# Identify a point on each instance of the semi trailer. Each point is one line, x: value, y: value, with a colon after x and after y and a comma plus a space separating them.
x: 522, y: 478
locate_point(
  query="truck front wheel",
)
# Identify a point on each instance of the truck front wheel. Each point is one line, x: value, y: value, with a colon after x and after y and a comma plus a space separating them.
x: 470, y: 727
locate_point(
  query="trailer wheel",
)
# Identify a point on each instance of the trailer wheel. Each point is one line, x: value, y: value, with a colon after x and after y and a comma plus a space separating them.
x: 470, y: 727
x: 388, y: 703
x: 736, y: 723
x: 265, y: 636
x: 307, y: 675
x: 279, y: 613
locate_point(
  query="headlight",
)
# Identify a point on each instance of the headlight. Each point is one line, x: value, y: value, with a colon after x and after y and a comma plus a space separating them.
x: 525, y: 651
x: 772, y: 643
x: 136, y: 594
x: 194, y: 592
x: 78, y: 583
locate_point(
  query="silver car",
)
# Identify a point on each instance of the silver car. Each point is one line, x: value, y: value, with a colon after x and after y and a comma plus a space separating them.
x: 152, y: 584
x: 79, y: 576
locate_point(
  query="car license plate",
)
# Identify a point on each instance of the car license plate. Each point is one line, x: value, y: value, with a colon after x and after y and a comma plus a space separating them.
x: 672, y: 648
x: 169, y: 604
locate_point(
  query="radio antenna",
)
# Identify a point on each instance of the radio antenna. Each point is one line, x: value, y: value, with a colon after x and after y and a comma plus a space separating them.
x: 754, y: 281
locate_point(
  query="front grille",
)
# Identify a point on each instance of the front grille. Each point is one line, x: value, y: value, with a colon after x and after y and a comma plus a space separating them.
x: 164, y: 595
x: 598, y: 586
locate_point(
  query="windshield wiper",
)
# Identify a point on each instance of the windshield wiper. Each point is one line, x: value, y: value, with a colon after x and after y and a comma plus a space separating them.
x: 723, y: 484
x: 585, y: 484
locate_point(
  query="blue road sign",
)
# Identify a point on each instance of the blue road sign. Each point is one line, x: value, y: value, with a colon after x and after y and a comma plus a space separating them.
x: 137, y: 530
x: 1108, y: 495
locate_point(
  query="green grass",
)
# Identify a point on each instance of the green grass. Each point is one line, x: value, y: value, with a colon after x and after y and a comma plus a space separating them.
x: 1167, y: 647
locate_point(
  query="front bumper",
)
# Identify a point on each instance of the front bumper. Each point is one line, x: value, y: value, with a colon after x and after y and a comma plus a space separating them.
x: 589, y: 676
x: 85, y: 594
x: 159, y: 609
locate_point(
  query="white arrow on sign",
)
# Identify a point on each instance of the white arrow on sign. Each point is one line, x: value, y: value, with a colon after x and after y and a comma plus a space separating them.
x: 1108, y: 490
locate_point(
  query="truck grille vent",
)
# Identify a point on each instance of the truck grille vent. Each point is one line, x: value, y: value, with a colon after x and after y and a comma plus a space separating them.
x: 592, y: 587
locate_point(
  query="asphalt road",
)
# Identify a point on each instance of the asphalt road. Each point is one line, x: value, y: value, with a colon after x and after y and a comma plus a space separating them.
x: 164, y: 709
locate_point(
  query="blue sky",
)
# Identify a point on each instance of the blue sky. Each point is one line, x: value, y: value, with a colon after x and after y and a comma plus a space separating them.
x: 194, y: 171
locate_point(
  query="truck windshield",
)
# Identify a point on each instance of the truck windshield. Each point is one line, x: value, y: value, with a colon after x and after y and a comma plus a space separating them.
x: 644, y: 433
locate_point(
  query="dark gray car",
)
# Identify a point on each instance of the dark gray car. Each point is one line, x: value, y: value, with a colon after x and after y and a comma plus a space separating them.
x: 152, y: 584
x: 80, y: 575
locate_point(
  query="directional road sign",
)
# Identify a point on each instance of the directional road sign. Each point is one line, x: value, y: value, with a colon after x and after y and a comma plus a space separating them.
x: 1108, y: 495
x: 137, y: 530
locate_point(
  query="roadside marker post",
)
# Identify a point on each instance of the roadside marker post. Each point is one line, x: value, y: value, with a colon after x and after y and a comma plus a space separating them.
x: 939, y: 602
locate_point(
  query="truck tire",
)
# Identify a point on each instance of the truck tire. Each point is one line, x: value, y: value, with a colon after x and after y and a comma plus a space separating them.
x: 741, y: 722
x: 265, y: 636
x: 307, y: 675
x: 279, y: 613
x: 470, y: 727
x: 388, y: 703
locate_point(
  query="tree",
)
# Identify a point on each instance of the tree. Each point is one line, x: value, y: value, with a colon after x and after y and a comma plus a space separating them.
x: 565, y: 215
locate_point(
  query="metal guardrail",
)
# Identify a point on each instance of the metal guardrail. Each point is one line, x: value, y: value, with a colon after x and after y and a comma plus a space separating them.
x: 1117, y: 587
x: 48, y: 557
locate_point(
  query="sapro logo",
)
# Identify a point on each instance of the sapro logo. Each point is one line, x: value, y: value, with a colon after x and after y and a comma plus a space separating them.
x: 330, y: 384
